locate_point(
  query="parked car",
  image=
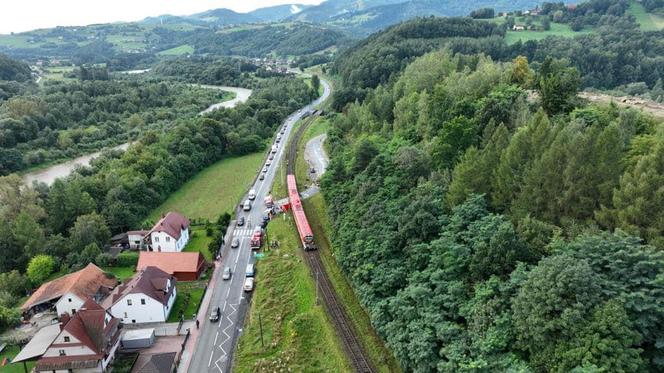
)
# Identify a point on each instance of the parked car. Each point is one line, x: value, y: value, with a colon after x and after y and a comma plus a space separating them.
x: 227, y: 273
x: 262, y: 177
x: 248, y: 284
x: 215, y: 315
x: 268, y: 162
x: 240, y: 221
x: 271, y: 157
x: 250, y: 270
x: 235, y: 243
x: 265, y: 169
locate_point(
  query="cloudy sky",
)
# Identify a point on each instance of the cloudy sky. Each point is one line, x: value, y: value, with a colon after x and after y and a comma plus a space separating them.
x: 24, y: 15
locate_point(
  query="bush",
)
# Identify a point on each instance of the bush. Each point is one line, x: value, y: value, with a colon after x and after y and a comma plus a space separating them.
x: 39, y: 268
x: 126, y: 259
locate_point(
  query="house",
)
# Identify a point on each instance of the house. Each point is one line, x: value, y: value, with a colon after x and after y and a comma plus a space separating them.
x: 183, y: 266
x: 518, y: 28
x: 136, y: 238
x: 170, y: 234
x: 87, y: 342
x: 146, y: 297
x: 69, y: 292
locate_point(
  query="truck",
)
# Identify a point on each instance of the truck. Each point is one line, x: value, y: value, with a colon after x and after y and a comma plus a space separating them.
x: 252, y: 194
x: 257, y: 238
x: 269, y: 202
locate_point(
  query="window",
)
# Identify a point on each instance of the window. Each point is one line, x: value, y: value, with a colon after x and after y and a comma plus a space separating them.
x: 156, y: 239
x: 69, y: 300
x: 168, y: 239
x: 73, y: 311
x: 133, y: 321
x: 142, y: 300
x: 66, y: 339
x: 129, y: 302
x: 125, y: 315
x: 62, y: 352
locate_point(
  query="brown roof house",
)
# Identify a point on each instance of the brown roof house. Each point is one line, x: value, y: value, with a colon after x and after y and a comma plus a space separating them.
x: 158, y: 363
x: 69, y: 292
x: 87, y: 342
x: 146, y: 297
x: 184, y: 266
x: 170, y: 234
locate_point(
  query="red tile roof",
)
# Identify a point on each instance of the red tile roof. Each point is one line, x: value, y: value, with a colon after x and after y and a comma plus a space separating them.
x: 173, y: 224
x: 84, y: 283
x: 171, y: 262
x: 88, y: 326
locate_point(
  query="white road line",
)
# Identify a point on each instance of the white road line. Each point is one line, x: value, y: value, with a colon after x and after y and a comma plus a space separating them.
x: 210, y: 362
x: 215, y: 337
x: 224, y: 309
x: 228, y: 292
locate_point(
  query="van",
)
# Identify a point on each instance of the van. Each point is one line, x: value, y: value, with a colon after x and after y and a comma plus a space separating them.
x: 252, y: 194
x: 247, y: 205
x: 250, y: 270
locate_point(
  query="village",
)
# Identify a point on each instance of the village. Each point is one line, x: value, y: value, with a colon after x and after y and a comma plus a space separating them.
x: 83, y: 320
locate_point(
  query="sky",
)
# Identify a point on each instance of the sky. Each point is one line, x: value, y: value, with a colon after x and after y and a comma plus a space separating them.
x: 25, y: 15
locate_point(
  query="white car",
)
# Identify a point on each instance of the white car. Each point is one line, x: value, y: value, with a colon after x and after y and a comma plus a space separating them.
x: 268, y: 162
x: 265, y: 169
x: 248, y: 284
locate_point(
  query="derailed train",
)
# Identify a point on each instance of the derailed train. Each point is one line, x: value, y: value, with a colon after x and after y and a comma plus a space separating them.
x: 303, y: 227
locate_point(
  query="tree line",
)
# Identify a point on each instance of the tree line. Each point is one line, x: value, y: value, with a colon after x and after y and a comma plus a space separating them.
x: 485, y: 228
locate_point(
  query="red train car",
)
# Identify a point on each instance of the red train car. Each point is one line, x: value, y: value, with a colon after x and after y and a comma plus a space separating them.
x: 303, y: 227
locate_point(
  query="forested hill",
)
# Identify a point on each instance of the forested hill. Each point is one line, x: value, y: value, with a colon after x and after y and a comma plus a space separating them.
x: 486, y: 232
x: 616, y: 55
x: 11, y: 69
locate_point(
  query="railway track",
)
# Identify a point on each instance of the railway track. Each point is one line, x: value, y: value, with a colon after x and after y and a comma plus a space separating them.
x: 342, y: 323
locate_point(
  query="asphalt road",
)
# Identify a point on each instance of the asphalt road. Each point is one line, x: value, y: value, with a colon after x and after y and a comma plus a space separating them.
x: 216, y: 343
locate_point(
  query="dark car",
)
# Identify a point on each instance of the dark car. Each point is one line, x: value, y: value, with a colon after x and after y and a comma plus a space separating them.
x: 240, y: 221
x: 261, y: 177
x: 215, y: 315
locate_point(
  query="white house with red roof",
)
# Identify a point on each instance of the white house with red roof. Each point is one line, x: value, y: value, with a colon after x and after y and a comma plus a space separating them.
x: 69, y: 292
x: 87, y: 342
x: 170, y: 234
x: 146, y: 297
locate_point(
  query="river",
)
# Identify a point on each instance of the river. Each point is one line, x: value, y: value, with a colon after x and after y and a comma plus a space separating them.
x: 49, y: 174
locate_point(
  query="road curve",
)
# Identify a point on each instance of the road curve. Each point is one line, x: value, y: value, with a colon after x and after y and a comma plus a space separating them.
x: 49, y: 174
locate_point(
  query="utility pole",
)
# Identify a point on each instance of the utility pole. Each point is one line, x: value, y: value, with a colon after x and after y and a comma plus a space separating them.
x: 260, y: 323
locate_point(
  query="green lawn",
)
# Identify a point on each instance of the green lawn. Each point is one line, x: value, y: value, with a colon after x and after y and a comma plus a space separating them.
x: 199, y: 241
x: 177, y: 51
x: 215, y: 190
x: 557, y: 29
x: 647, y: 21
x: 297, y: 334
x: 122, y: 273
x: 189, y: 295
x: 9, y: 352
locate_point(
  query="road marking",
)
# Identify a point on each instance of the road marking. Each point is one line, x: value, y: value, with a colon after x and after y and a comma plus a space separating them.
x: 210, y: 362
x: 228, y: 292
x: 216, y: 336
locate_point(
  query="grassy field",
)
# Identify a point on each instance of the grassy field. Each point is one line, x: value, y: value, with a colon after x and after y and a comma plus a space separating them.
x: 647, y: 21
x: 177, y: 51
x: 199, y: 241
x: 189, y: 295
x: 9, y: 352
x: 557, y: 29
x: 297, y: 334
x: 122, y: 273
x: 215, y: 190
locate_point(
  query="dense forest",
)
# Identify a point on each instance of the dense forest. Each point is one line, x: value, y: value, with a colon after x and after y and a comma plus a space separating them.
x: 67, y: 224
x: 616, y: 55
x: 488, y: 229
x: 65, y: 119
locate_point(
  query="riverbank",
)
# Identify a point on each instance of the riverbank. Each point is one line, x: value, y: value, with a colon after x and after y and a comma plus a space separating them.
x: 48, y: 174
